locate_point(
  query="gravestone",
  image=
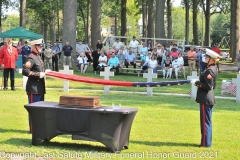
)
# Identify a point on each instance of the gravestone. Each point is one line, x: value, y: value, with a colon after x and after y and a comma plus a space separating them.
x: 194, y: 77
x: 67, y: 71
x: 238, y: 89
x: 150, y: 75
x: 106, y: 73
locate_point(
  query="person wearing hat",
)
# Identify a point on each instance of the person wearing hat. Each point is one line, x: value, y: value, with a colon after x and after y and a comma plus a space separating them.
x: 8, y: 58
x: 48, y: 53
x: 205, y: 96
x: 34, y: 70
x: 26, y: 50
x: 134, y: 45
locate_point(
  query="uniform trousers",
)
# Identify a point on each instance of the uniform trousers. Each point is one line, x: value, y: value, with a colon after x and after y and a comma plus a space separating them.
x: 206, y: 125
x: 31, y: 99
x: 48, y: 63
x: 67, y: 60
x: 6, y: 75
x: 55, y: 63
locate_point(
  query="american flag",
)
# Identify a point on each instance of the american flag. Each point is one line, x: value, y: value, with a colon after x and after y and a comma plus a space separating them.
x: 232, y: 88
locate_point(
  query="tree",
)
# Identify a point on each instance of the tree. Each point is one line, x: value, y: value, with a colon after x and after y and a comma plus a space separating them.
x: 95, y: 24
x: 123, y: 19
x: 234, y: 29
x: 69, y: 24
x: 159, y: 19
x: 195, y: 21
x: 169, y: 18
x: 144, y: 18
x: 187, y: 6
x: 150, y: 23
x: 23, y: 13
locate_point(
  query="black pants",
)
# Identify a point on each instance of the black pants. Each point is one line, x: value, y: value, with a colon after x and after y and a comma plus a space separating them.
x: 100, y: 68
x: 117, y: 69
x: 55, y: 63
x: 6, y: 75
x: 95, y: 64
x: 132, y: 63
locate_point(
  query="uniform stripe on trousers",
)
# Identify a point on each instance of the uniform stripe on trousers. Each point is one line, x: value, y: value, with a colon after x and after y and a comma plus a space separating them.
x: 204, y: 125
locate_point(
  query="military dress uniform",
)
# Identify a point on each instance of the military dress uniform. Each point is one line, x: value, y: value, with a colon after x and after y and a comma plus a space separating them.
x: 35, y: 87
x: 206, y: 99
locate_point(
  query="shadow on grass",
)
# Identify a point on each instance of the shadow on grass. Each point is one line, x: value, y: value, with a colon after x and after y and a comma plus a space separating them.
x: 59, y: 145
x: 13, y: 130
x: 148, y: 143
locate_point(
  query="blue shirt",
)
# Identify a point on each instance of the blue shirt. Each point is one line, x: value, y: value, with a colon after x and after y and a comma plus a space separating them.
x: 113, y: 61
x: 26, y: 50
x: 130, y: 57
x: 198, y: 56
x: 55, y: 49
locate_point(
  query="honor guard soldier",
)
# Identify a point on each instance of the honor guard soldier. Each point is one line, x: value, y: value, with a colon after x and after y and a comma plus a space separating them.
x: 34, y: 70
x: 205, y: 96
x: 26, y: 50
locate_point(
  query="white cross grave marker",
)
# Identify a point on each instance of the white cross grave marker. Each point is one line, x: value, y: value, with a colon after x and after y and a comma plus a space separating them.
x: 238, y: 89
x: 150, y: 75
x: 194, y: 88
x: 67, y: 71
x: 106, y: 73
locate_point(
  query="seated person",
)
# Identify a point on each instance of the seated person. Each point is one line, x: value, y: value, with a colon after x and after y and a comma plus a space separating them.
x: 145, y: 65
x: 83, y: 64
x: 102, y: 61
x: 175, y: 67
x: 130, y: 60
x: 143, y: 52
x: 152, y: 63
x: 181, y: 64
x: 110, y: 51
x: 174, y: 53
x: 113, y: 63
x: 164, y: 58
x: 121, y: 58
x: 167, y: 70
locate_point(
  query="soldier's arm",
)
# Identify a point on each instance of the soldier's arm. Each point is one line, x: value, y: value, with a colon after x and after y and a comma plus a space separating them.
x: 27, y: 69
x: 208, y: 81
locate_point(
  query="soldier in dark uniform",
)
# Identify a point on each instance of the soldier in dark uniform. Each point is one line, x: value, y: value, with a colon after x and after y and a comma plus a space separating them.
x: 26, y: 50
x: 34, y: 70
x: 206, y: 98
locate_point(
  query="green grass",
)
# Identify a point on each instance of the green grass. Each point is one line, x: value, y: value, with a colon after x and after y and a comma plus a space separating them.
x: 165, y: 126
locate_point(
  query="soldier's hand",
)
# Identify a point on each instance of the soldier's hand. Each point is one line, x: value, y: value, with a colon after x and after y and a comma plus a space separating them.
x: 42, y: 74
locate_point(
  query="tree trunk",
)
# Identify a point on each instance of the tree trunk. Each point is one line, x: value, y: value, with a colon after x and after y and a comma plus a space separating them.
x: 144, y: 18
x: 96, y: 22
x: 124, y: 20
x: 195, y: 22
x: 69, y: 25
x: 84, y: 19
x: 186, y: 3
x: 159, y: 20
x: 150, y: 23
x: 207, y: 24
x: 116, y: 20
x: 58, y: 23
x: 45, y: 29
x: 169, y: 19
x: 88, y: 30
x: 23, y: 13
x: 234, y: 29
x: 0, y: 16
x: 52, y: 25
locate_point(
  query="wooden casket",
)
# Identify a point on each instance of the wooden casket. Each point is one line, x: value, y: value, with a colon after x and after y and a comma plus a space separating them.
x: 80, y: 101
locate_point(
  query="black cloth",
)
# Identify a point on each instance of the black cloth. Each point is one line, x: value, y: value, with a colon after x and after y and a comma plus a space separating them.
x: 55, y: 63
x: 117, y: 69
x: 95, y: 56
x: 131, y: 63
x: 99, y: 45
x: 6, y: 75
x: 32, y: 68
x: 67, y: 50
x: 206, y: 85
x: 167, y: 64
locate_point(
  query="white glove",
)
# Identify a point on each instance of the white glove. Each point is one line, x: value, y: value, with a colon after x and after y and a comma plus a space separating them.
x: 194, y: 80
x: 42, y: 74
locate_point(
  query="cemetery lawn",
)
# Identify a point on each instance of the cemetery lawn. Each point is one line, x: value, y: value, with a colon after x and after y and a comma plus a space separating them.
x: 164, y: 127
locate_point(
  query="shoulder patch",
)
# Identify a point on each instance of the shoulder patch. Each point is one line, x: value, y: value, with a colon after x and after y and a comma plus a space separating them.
x: 209, y: 76
x: 28, y: 64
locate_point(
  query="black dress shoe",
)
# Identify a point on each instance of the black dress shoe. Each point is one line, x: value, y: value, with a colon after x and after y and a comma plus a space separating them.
x: 13, y: 88
x: 5, y: 88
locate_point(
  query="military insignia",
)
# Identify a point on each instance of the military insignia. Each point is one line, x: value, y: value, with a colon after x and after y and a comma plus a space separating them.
x: 209, y: 76
x: 28, y: 64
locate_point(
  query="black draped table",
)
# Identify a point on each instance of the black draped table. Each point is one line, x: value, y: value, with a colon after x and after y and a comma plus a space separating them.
x: 109, y: 126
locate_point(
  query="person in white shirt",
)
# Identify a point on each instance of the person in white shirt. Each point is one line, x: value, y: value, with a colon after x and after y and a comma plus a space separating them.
x: 102, y: 61
x: 81, y: 48
x: 145, y: 65
x: 134, y: 45
x: 121, y: 58
x: 175, y: 67
x: 83, y: 64
x: 152, y: 63
x: 224, y: 55
x: 181, y: 64
x: 117, y: 44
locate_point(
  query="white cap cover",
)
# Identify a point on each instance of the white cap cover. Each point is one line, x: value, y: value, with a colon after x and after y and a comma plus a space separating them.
x: 211, y: 53
x: 37, y: 41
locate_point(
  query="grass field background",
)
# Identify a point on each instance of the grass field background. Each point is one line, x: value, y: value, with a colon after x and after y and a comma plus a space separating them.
x: 165, y: 127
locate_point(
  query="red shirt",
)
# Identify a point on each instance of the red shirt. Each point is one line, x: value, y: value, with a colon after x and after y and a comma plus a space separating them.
x: 217, y: 50
x: 7, y: 58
